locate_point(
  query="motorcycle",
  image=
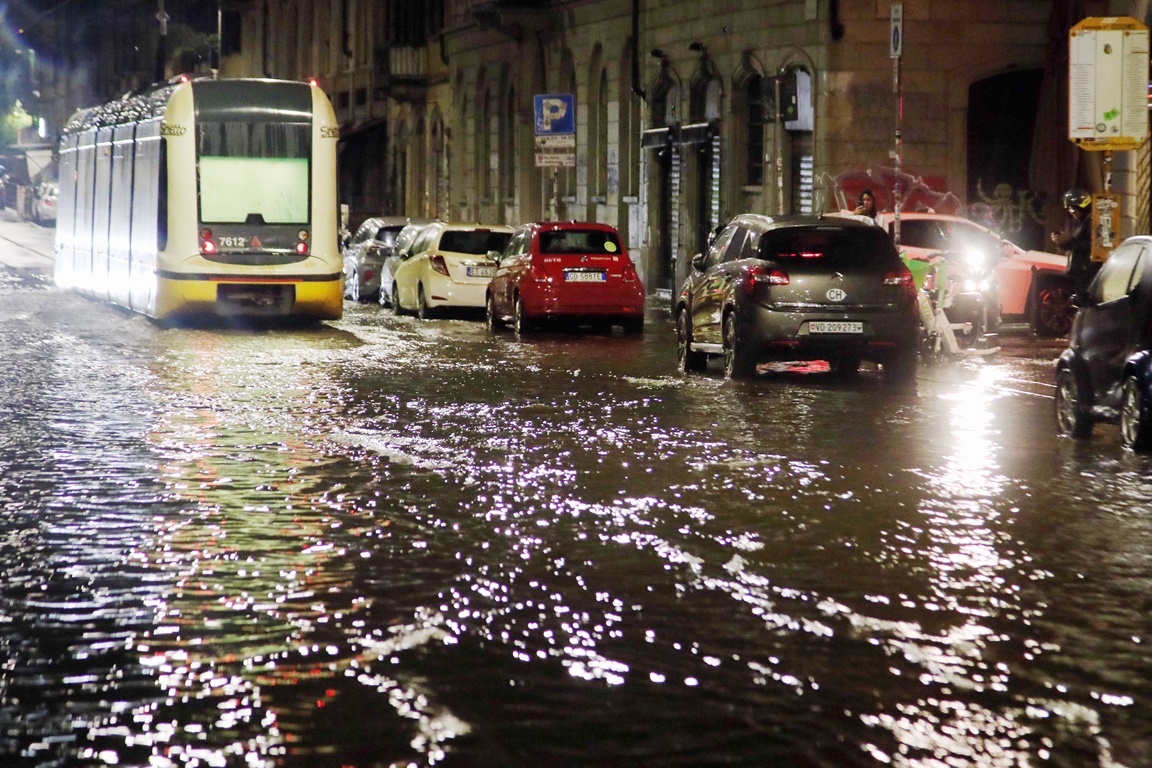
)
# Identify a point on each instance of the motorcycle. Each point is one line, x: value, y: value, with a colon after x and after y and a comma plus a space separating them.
x: 959, y: 305
x: 974, y: 294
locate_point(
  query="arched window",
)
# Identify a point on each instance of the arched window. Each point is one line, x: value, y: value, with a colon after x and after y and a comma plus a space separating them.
x: 485, y: 147
x: 507, y: 156
x: 753, y: 120
x: 438, y: 166
x: 629, y: 160
x: 598, y: 137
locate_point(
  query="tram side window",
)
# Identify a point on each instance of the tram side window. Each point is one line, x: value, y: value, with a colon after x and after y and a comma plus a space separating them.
x: 254, y: 172
x: 162, y: 199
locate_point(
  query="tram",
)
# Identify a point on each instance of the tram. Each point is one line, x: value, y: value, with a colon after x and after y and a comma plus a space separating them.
x: 204, y: 197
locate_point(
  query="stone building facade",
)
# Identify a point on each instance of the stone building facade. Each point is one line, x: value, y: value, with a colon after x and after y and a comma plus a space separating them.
x: 690, y: 112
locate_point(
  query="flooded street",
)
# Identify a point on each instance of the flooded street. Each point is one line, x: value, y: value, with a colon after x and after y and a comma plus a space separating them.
x: 386, y: 542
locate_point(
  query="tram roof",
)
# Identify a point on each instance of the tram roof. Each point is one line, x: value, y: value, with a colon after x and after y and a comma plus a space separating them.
x: 129, y: 108
x: 143, y: 104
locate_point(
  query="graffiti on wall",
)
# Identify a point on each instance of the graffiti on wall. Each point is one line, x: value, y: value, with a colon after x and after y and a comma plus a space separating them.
x: 917, y: 193
x: 1015, y: 214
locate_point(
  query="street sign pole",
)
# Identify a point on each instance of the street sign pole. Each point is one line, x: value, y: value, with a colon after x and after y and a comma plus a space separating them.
x: 896, y: 51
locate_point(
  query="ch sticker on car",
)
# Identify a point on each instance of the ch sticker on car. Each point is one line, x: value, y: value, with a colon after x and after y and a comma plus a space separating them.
x: 836, y: 294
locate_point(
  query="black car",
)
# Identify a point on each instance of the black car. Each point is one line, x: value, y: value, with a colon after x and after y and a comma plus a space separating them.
x: 1106, y: 372
x: 799, y: 288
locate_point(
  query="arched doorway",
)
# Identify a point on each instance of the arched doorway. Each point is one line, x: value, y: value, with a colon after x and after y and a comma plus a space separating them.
x: 1001, y: 128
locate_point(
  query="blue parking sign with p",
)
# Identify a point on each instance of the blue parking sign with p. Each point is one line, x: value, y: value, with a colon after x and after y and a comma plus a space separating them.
x: 555, y: 113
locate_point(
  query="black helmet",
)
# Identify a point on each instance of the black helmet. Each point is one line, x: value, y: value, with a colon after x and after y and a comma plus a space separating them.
x: 1077, y: 200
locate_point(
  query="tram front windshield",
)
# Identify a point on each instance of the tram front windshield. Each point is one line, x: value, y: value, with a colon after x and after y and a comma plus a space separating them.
x: 254, y: 172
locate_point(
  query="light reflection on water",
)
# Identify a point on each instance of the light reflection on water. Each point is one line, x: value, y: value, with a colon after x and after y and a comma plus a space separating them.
x: 394, y: 543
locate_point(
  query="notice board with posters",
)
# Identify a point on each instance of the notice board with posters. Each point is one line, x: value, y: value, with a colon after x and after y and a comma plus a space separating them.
x: 1108, y: 83
x: 1105, y: 224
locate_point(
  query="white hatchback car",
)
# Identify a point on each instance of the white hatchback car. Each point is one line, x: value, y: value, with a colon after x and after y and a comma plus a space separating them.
x: 448, y: 267
x: 1032, y: 284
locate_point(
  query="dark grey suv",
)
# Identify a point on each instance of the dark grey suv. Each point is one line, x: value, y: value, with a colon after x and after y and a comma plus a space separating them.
x: 799, y: 288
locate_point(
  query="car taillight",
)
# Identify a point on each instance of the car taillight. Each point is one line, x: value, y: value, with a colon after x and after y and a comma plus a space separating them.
x: 763, y: 275
x: 438, y: 264
x: 207, y: 243
x: 903, y: 278
x: 629, y: 272
x: 368, y: 274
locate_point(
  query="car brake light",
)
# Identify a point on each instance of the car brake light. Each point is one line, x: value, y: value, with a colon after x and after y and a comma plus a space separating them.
x: 630, y: 275
x: 368, y: 274
x: 761, y: 274
x: 902, y: 278
x: 438, y: 264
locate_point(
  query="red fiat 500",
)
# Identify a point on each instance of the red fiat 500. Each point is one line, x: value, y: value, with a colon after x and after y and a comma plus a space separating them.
x: 573, y: 273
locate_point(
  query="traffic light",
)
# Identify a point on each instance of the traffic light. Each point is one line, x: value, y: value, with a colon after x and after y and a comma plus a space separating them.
x: 789, y: 106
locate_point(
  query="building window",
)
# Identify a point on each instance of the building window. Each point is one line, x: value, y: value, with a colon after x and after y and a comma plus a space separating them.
x: 754, y: 143
x: 598, y: 139
x: 508, y: 146
x: 629, y: 129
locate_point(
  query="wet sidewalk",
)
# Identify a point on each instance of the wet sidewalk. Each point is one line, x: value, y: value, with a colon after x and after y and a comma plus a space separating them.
x: 24, y: 246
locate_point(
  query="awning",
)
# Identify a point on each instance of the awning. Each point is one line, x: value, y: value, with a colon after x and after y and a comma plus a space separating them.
x: 693, y: 133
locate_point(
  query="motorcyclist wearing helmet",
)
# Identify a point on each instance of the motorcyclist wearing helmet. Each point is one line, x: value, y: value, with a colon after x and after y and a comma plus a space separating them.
x: 1076, y: 237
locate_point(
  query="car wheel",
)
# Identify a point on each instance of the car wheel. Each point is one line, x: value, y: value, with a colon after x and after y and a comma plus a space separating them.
x: 520, y: 323
x: 396, y: 308
x: 1135, y: 417
x: 493, y: 320
x: 1053, y: 308
x: 1073, y: 418
x: 423, y: 310
x: 901, y: 367
x: 845, y: 366
x: 737, y: 363
x: 687, y: 359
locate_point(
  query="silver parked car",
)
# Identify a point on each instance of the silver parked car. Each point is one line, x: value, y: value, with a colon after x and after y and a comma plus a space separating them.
x: 401, y: 251
x: 365, y: 253
x: 44, y: 203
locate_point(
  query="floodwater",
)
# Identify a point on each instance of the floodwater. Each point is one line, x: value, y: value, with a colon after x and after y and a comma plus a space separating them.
x: 381, y: 542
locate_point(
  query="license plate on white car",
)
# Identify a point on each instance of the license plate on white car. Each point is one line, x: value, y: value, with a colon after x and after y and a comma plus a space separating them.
x: 481, y: 271
x: 835, y: 326
x: 585, y: 277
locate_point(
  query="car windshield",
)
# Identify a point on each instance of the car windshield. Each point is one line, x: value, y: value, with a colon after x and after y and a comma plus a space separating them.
x: 579, y: 241
x: 945, y: 235
x: 476, y: 242
x: 387, y: 235
x: 828, y: 246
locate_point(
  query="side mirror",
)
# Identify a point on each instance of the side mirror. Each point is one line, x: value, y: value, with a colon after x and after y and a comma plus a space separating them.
x: 494, y: 256
x: 698, y: 262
